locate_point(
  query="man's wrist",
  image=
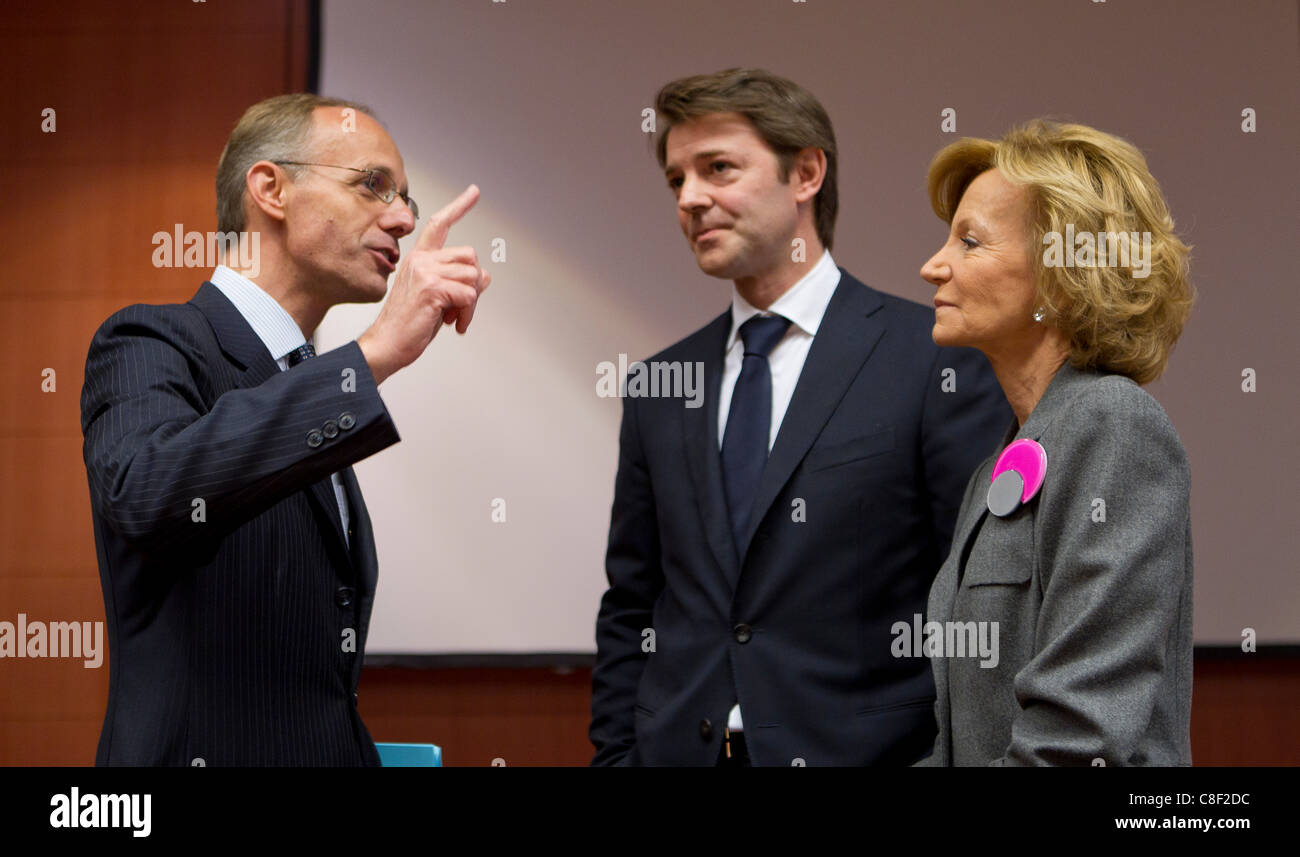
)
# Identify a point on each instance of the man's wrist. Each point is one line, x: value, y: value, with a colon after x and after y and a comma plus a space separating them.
x: 380, y: 368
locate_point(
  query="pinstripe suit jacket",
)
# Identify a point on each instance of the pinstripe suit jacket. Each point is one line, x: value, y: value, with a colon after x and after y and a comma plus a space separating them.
x: 237, y: 617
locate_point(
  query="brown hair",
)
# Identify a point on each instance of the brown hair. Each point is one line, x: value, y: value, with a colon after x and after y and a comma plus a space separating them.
x: 1113, y: 319
x: 787, y: 116
x: 276, y: 129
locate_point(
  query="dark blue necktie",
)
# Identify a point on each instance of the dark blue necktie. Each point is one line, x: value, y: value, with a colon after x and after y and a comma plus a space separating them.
x: 749, y: 422
x: 301, y: 353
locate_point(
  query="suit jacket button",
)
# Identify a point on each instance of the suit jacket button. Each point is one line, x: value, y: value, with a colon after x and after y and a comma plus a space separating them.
x: 706, y: 729
x: 346, y: 421
x: 315, y: 438
x: 330, y: 429
x: 343, y: 596
x: 742, y: 633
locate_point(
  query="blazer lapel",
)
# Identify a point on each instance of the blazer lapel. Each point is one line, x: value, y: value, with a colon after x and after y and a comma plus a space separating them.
x: 1060, y: 391
x: 363, y: 536
x: 704, y: 462
x: 845, y: 339
x: 363, y: 558
x: 237, y: 339
x: 944, y: 593
x: 971, y: 521
x: 242, y: 345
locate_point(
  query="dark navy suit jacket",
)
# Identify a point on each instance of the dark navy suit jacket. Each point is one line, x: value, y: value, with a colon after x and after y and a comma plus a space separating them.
x: 795, y: 622
x: 237, y: 617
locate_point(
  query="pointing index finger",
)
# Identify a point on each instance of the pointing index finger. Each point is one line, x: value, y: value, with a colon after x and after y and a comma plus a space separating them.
x: 435, y: 232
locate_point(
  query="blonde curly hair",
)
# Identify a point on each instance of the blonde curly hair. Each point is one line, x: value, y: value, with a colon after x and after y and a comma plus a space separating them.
x: 1094, y: 182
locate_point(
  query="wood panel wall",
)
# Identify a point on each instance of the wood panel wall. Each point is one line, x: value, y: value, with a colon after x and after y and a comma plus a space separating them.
x: 1244, y: 712
x: 144, y: 94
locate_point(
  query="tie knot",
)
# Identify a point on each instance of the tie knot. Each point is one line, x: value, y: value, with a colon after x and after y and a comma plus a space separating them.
x: 762, y: 333
x: 301, y: 353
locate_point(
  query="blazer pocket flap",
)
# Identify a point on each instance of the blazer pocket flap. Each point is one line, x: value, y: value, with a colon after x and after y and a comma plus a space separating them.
x: 835, y: 454
x: 990, y: 575
x: 1003, y: 552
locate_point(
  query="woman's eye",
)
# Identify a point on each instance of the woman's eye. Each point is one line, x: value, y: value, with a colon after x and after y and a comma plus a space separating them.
x: 717, y: 166
x: 970, y: 242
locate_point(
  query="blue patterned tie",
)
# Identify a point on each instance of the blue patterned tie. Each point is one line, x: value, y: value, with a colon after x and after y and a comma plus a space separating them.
x: 749, y: 422
x: 301, y: 353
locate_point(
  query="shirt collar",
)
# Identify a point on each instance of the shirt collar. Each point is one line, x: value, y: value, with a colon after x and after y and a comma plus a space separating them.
x: 270, y: 321
x: 804, y: 303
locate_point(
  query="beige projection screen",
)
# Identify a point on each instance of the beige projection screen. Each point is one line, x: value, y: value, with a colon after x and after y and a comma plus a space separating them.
x: 540, y: 104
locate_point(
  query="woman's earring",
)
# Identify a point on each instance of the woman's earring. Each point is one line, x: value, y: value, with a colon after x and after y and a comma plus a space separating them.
x: 1039, y: 315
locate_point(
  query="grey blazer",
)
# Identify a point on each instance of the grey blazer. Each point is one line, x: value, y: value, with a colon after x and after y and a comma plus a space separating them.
x: 1088, y: 587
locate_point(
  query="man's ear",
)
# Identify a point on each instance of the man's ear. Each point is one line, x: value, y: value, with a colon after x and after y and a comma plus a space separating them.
x: 808, y: 171
x: 267, y: 187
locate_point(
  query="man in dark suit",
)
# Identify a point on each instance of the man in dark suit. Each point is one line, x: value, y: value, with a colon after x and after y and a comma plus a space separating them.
x: 235, y: 553
x: 762, y: 546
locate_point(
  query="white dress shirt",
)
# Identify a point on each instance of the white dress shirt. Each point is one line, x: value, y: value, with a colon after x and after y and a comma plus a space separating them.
x: 281, y: 336
x: 804, y: 304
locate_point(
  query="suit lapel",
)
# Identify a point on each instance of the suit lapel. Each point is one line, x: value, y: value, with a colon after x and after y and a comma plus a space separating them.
x: 971, y: 521
x: 944, y: 593
x: 242, y: 345
x: 363, y: 536
x: 700, y: 427
x: 845, y: 339
x: 363, y: 558
x: 237, y: 338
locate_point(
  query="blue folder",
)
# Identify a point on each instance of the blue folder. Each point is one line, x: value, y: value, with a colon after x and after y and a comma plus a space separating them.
x: 410, y: 755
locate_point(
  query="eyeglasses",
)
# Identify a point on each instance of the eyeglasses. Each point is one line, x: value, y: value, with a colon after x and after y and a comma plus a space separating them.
x: 379, y: 183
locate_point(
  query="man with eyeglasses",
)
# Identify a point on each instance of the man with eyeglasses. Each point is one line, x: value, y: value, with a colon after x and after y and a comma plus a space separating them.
x: 236, y: 556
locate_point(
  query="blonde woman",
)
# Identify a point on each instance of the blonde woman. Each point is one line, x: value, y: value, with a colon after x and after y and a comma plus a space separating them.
x: 1072, y: 553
